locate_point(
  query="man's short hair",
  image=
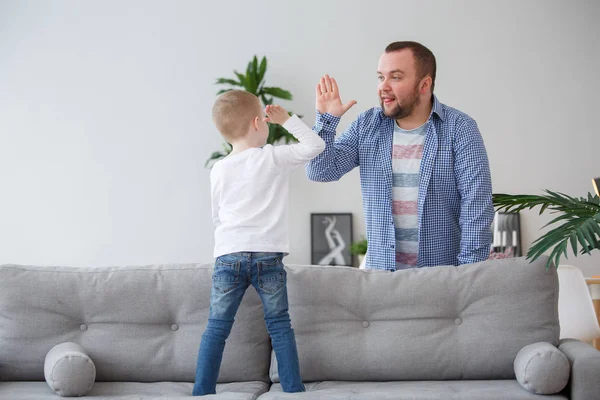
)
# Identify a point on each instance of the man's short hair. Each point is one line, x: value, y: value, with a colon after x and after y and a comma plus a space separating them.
x: 424, y: 58
x: 234, y: 111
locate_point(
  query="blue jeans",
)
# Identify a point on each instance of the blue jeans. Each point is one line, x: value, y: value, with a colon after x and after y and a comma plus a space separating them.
x: 232, y: 275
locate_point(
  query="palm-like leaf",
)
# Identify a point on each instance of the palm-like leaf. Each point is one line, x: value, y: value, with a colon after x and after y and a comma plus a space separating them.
x: 580, y: 218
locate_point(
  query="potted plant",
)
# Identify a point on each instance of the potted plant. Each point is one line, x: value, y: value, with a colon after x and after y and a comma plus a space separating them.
x: 359, y: 249
x: 253, y: 81
x: 579, y: 220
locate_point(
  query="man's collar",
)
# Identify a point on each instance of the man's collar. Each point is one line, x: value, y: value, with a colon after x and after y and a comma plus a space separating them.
x: 438, y: 108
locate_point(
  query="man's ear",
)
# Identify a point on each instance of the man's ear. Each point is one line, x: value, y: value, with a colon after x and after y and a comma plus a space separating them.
x: 425, y: 85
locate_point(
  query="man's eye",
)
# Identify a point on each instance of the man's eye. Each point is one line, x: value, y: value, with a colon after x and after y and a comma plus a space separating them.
x: 396, y: 78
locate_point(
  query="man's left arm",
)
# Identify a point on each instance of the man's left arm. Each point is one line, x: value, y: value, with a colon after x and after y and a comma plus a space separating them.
x: 472, y: 171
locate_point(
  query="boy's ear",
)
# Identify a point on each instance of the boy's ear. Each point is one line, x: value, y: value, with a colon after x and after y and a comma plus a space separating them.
x: 256, y: 122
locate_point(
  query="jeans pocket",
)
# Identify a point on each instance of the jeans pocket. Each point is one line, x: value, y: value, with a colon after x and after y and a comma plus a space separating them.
x: 226, y: 275
x: 271, y: 275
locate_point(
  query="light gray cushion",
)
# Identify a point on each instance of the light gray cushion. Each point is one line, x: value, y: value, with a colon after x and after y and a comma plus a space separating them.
x: 138, y: 324
x: 437, y: 323
x: 415, y: 390
x: 541, y: 368
x: 136, y: 391
x: 68, y: 370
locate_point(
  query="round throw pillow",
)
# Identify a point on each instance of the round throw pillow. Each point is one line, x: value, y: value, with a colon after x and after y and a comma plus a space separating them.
x: 542, y: 369
x: 68, y: 370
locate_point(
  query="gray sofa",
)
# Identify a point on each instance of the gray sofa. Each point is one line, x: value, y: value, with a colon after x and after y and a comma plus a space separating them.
x: 430, y: 333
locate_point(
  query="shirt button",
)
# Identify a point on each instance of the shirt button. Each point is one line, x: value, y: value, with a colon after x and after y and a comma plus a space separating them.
x: 83, y: 327
x: 365, y: 324
x: 458, y: 321
x: 392, y: 246
x: 174, y: 327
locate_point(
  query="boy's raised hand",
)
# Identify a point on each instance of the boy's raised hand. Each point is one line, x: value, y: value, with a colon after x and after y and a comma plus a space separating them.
x: 328, y: 98
x: 276, y: 114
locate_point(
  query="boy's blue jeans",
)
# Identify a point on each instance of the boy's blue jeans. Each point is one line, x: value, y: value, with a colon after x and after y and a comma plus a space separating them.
x: 232, y: 275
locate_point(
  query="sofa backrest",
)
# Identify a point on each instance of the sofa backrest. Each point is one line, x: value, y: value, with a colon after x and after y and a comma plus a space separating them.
x: 137, y: 323
x: 437, y: 323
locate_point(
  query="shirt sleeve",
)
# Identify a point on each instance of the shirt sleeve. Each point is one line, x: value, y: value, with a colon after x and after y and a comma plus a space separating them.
x: 308, y: 147
x: 340, y: 156
x: 214, y: 196
x: 472, y: 171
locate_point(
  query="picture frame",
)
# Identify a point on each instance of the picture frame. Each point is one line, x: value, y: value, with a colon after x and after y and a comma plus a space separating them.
x: 330, y: 239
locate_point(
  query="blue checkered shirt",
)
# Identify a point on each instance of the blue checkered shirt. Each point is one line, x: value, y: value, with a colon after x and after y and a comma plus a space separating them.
x: 455, y: 208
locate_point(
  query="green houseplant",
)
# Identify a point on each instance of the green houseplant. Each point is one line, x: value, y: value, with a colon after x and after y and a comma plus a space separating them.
x: 359, y: 249
x: 579, y: 222
x: 253, y: 81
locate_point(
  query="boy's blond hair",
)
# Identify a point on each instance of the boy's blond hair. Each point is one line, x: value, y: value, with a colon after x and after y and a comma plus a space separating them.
x: 234, y: 111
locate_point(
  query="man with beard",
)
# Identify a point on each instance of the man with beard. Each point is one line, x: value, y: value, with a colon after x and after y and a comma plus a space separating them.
x: 424, y: 170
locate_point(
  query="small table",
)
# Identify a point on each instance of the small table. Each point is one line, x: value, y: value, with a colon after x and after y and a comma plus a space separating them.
x: 595, y: 281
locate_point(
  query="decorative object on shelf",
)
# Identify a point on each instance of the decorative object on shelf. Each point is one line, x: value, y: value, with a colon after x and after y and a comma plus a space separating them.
x: 506, y: 230
x: 580, y: 218
x: 253, y: 81
x: 331, y: 236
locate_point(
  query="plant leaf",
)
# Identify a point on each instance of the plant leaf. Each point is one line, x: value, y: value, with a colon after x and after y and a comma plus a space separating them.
x: 228, y: 82
x: 262, y: 69
x: 242, y: 79
x: 578, y: 221
x: 277, y: 92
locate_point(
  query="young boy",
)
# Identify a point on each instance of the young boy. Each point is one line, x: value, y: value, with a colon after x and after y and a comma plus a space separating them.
x: 249, y: 190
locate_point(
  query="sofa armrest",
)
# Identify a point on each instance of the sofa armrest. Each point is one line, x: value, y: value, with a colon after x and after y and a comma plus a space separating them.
x: 585, y: 366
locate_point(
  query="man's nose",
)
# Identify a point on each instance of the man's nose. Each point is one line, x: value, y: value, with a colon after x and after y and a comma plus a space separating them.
x: 383, y: 86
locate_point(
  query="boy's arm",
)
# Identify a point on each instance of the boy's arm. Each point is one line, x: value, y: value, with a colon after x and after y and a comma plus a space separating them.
x: 308, y: 147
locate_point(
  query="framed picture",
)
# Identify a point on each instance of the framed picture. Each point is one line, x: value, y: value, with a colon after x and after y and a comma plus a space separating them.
x: 506, y: 230
x: 331, y: 236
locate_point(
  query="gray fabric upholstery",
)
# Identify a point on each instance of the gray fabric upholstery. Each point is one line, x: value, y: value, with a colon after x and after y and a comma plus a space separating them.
x: 433, y: 333
x: 68, y: 370
x: 415, y: 390
x: 542, y: 369
x: 438, y: 323
x: 584, y: 383
x: 139, y: 324
x: 135, y: 390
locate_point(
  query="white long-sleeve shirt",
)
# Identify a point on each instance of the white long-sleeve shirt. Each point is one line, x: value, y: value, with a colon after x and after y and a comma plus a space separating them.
x: 250, y: 192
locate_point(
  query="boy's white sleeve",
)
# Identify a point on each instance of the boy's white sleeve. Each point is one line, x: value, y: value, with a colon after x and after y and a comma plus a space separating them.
x: 298, y: 154
x: 214, y: 198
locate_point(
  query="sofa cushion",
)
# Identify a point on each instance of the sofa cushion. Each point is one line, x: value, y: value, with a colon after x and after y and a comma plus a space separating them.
x: 436, y: 323
x: 138, y: 324
x: 135, y: 390
x: 542, y: 369
x: 68, y: 370
x: 416, y: 390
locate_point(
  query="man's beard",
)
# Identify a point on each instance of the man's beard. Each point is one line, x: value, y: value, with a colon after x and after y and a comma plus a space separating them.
x: 403, y: 110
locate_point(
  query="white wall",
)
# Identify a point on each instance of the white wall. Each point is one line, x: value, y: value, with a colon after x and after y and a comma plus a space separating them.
x: 105, y: 109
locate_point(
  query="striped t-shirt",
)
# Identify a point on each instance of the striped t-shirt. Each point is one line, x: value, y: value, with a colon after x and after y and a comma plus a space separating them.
x: 406, y: 161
